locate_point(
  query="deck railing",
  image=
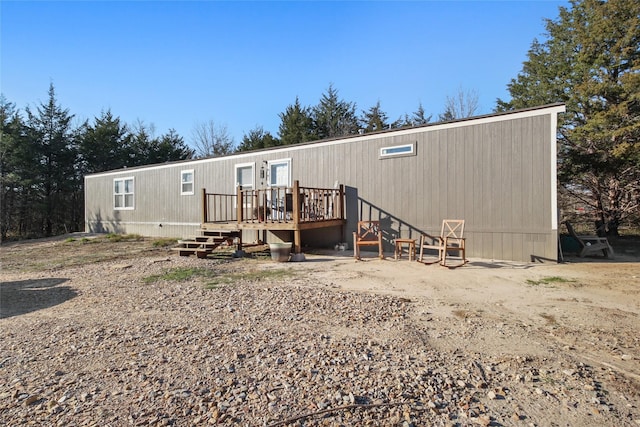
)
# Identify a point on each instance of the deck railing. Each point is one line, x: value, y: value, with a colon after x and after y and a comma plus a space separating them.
x: 274, y: 205
x: 218, y: 207
x: 322, y: 203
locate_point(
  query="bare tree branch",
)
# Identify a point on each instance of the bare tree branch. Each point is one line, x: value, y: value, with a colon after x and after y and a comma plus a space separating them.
x: 463, y: 104
x: 211, y: 140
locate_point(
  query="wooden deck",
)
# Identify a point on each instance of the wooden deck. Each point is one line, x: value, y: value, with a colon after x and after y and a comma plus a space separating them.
x: 283, y: 208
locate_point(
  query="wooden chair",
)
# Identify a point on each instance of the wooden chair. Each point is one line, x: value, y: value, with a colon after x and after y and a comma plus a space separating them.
x: 450, y: 240
x: 590, y: 245
x: 367, y: 234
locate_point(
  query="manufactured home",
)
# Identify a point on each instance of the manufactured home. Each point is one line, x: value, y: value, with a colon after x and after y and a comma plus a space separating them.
x: 497, y: 172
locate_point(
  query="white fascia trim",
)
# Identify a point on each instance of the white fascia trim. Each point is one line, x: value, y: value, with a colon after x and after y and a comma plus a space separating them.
x: 554, y: 166
x: 553, y: 110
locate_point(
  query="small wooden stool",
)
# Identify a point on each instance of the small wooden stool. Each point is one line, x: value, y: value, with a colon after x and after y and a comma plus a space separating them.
x: 412, y: 248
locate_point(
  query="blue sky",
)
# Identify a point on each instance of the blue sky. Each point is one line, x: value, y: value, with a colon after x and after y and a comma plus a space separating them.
x: 240, y: 64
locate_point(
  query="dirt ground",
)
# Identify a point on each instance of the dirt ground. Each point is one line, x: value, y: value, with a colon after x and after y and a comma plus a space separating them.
x: 588, y: 308
x: 583, y: 314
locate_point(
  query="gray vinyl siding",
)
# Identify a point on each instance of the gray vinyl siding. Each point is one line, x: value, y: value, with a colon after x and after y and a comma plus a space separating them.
x: 495, y: 174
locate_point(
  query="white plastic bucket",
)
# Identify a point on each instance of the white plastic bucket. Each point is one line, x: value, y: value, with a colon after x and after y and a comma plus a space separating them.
x: 280, y: 252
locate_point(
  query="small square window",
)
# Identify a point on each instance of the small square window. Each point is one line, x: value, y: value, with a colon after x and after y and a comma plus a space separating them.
x: 186, y: 183
x: 245, y: 175
x: 123, y: 193
x: 280, y: 173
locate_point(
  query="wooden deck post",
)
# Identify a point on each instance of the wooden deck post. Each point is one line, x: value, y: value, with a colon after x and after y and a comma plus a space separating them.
x: 341, y: 207
x: 264, y: 207
x: 239, y: 210
x: 297, y: 237
x: 204, y: 212
x: 295, y: 209
x: 341, y: 202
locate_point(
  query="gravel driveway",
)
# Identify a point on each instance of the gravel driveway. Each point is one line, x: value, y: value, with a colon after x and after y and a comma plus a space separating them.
x: 106, y: 334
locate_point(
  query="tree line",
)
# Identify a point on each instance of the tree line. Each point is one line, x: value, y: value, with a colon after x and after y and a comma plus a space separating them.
x: 332, y: 117
x: 43, y: 157
x: 43, y: 160
x: 589, y: 60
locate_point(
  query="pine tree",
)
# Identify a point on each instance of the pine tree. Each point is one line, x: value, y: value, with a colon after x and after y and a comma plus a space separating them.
x: 105, y: 144
x: 334, y: 117
x: 171, y: 147
x: 256, y: 139
x: 375, y: 119
x: 15, y: 161
x: 419, y: 118
x: 148, y: 149
x: 55, y: 176
x: 296, y: 125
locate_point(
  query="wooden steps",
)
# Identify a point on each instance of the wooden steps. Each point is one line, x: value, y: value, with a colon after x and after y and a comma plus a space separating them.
x: 201, y: 246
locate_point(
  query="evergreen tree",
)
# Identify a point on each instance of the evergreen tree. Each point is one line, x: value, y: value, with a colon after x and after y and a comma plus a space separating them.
x: 15, y: 161
x: 256, y: 139
x: 296, y: 125
x: 419, y: 118
x: 148, y: 149
x: 55, y: 176
x: 334, y: 117
x: 142, y: 146
x: 447, y: 115
x: 105, y: 144
x: 43, y: 159
x: 374, y: 119
x: 591, y: 62
x: 171, y: 147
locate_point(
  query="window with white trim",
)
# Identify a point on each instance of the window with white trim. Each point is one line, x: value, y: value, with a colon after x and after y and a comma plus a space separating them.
x: 186, y: 182
x: 245, y: 175
x: 123, y: 192
x: 398, y: 150
x: 280, y: 173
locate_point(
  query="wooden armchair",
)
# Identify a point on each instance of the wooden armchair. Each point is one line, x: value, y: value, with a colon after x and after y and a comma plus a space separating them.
x: 450, y: 240
x: 367, y: 234
x: 590, y: 245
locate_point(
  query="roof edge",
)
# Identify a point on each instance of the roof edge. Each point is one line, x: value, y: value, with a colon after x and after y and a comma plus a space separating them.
x: 558, y: 107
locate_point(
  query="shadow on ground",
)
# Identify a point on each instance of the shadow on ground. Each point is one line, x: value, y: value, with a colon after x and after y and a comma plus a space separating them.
x: 25, y: 296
